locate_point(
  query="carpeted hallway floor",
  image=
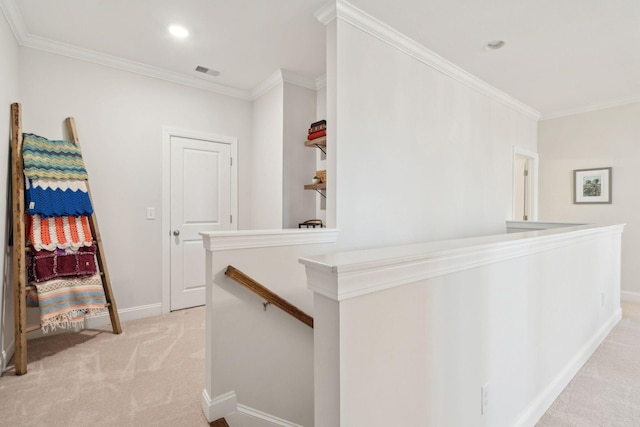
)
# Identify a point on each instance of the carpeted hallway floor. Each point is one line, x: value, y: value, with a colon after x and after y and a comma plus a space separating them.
x: 153, y: 375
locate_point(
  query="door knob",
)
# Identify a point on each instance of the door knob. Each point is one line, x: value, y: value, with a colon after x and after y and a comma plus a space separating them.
x: 176, y: 232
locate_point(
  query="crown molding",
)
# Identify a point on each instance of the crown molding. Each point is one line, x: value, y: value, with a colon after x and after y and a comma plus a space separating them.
x: 14, y: 19
x: 378, y: 29
x: 267, y: 84
x: 298, y: 80
x: 321, y: 82
x: 592, y: 107
x: 282, y: 76
x: 326, y: 13
x: 25, y: 39
x: 71, y: 51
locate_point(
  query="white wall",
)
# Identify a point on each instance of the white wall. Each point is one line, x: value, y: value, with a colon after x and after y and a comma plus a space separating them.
x: 265, y: 357
x: 411, y: 334
x: 9, y: 83
x: 420, y: 156
x: 267, y: 160
x: 609, y: 137
x: 119, y: 116
x: 299, y: 162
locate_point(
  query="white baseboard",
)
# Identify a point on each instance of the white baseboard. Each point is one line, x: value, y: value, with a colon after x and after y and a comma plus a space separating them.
x: 531, y: 415
x: 102, y: 319
x: 227, y: 404
x: 219, y: 407
x: 125, y: 315
x: 243, y: 409
x: 628, y: 296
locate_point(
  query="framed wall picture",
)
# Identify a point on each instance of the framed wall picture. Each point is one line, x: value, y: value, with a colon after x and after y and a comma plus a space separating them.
x: 592, y: 185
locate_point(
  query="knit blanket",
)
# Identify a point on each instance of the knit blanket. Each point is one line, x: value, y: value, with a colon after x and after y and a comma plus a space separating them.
x: 61, y: 263
x: 51, y: 159
x: 63, y: 232
x: 49, y: 197
x: 64, y: 302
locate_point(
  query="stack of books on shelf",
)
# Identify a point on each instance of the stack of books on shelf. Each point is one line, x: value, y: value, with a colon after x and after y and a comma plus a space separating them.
x: 317, y: 130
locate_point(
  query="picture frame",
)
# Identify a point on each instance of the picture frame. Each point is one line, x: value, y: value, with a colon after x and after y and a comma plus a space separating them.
x: 591, y: 186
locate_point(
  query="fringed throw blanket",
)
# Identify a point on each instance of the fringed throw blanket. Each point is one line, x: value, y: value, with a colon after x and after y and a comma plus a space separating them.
x: 51, y: 197
x: 51, y: 159
x: 64, y: 302
x: 64, y: 232
x: 61, y: 263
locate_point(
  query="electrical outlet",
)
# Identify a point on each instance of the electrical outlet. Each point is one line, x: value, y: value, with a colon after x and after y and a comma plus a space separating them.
x: 484, y: 397
x: 151, y: 213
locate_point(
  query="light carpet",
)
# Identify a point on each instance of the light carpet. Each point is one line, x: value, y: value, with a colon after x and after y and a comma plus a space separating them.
x: 606, y: 391
x: 153, y: 375
x: 150, y: 375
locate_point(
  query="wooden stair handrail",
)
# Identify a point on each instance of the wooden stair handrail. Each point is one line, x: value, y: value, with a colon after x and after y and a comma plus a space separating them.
x: 268, y: 295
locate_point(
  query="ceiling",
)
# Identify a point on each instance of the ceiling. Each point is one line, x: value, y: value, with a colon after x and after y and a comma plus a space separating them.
x: 561, y: 56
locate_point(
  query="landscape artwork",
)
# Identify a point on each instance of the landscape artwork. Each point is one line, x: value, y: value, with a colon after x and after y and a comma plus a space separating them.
x: 592, y: 185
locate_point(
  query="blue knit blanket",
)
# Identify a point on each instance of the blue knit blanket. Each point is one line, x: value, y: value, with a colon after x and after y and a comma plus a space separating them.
x: 59, y: 198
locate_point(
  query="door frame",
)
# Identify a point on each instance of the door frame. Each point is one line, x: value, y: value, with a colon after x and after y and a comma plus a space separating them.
x: 532, y: 158
x: 167, y: 133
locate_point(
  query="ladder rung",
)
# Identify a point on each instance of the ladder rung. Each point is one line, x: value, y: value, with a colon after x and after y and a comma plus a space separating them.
x: 33, y: 328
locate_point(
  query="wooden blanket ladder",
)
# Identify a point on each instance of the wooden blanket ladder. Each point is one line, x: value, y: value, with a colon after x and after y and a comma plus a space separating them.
x: 20, y: 249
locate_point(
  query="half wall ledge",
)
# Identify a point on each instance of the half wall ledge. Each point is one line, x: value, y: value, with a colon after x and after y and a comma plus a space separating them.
x: 417, y: 334
x: 345, y: 275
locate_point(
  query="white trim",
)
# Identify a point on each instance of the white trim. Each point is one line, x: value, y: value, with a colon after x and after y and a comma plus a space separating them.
x: 220, y: 406
x: 629, y: 296
x: 327, y: 13
x: 125, y: 315
x: 99, y: 320
x: 167, y: 133
x: 267, y: 84
x: 298, y: 80
x: 532, y: 414
x: 378, y: 29
x: 247, y: 239
x: 321, y: 82
x: 592, y: 107
x: 532, y: 157
x: 282, y: 76
x: 513, y: 226
x: 26, y: 39
x: 243, y: 409
x: 14, y: 19
x: 342, y: 276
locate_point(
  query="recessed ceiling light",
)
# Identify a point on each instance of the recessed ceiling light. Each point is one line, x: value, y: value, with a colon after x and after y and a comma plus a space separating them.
x: 178, y: 31
x: 494, y: 45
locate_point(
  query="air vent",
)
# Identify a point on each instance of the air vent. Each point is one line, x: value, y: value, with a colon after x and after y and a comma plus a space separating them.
x: 206, y: 70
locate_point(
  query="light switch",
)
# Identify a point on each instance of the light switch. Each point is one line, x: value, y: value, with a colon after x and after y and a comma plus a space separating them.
x: 151, y: 213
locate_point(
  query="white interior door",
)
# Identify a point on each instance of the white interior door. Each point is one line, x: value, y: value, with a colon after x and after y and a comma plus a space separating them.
x: 200, y: 201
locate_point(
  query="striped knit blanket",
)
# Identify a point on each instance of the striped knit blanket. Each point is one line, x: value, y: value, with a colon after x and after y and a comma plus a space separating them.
x: 64, y: 302
x: 62, y: 232
x: 51, y: 159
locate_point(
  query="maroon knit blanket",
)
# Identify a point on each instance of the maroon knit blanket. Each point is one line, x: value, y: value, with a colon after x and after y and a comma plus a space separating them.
x: 47, y: 265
